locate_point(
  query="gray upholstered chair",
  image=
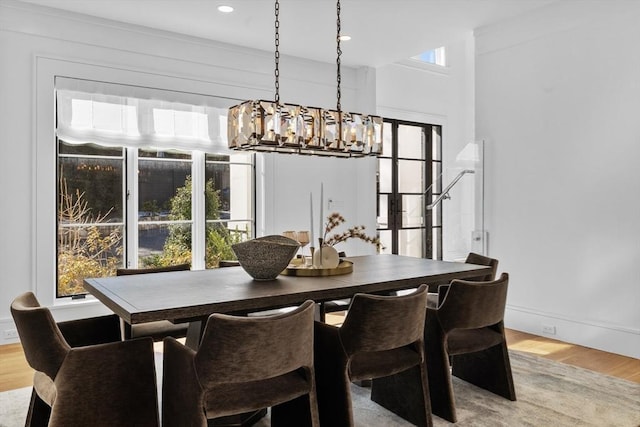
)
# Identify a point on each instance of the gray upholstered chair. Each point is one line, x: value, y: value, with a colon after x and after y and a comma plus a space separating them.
x: 160, y: 329
x: 84, y: 374
x: 437, y: 293
x: 467, y: 329
x: 381, y: 340
x: 243, y: 364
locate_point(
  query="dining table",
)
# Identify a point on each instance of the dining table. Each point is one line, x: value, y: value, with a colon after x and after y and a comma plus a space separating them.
x: 191, y: 296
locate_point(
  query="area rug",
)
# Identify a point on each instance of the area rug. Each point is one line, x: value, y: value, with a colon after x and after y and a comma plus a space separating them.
x: 549, y: 394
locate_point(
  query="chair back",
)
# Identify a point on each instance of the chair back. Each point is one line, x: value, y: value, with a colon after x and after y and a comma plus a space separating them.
x: 44, y: 346
x: 473, y: 305
x: 238, y: 349
x: 474, y: 258
x: 377, y: 323
x: 164, y: 269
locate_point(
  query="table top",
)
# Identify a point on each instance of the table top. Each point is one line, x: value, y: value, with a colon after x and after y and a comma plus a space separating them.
x: 194, y: 295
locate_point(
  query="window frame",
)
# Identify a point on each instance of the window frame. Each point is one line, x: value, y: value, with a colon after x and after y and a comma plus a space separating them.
x: 44, y: 162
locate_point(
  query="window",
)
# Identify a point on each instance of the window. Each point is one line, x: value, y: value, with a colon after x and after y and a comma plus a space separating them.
x: 433, y: 56
x: 145, y: 183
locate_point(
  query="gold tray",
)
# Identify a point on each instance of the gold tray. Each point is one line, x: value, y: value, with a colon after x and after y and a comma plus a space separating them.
x: 345, y: 267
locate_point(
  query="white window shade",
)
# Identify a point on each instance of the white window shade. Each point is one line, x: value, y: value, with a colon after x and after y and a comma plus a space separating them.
x: 120, y: 115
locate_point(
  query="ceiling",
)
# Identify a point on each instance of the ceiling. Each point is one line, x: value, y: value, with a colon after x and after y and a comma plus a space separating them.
x: 383, y: 31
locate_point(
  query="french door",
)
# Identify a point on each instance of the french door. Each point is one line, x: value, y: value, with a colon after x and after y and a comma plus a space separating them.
x: 407, y: 182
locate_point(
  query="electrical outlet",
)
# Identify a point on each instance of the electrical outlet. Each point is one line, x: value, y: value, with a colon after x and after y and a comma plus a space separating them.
x: 8, y: 334
x: 548, y: 329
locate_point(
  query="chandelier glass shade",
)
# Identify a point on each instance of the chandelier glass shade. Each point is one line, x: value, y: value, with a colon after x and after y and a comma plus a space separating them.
x: 269, y: 126
x: 272, y: 126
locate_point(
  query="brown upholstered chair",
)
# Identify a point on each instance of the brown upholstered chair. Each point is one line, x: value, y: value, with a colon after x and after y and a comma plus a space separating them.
x: 467, y: 329
x: 84, y: 374
x: 243, y: 364
x: 160, y: 329
x: 381, y: 339
x: 437, y: 293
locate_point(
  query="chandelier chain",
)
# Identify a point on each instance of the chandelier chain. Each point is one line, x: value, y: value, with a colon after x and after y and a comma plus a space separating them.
x: 277, y: 52
x: 338, y: 52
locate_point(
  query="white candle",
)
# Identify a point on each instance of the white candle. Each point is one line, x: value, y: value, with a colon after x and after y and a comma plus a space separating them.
x: 321, y: 236
x: 313, y: 242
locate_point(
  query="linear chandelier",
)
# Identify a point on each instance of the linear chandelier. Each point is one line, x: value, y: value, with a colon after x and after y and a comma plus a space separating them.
x: 272, y: 126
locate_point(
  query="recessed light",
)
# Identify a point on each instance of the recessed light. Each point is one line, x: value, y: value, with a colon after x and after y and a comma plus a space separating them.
x: 345, y: 38
x: 225, y: 9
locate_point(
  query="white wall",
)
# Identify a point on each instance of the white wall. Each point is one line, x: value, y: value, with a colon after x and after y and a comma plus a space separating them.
x: 430, y: 94
x: 37, y: 43
x: 558, y: 101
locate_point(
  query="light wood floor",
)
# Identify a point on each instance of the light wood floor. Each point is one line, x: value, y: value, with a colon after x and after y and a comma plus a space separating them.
x: 15, y: 372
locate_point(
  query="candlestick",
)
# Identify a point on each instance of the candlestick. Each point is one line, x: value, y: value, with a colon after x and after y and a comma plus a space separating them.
x: 320, y: 242
x: 312, y: 239
x: 313, y: 249
x: 321, y: 236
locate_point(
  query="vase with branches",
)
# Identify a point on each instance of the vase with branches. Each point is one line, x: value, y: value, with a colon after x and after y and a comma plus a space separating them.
x: 334, y: 220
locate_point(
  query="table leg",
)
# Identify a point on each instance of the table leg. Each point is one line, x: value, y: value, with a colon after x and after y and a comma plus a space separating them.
x: 194, y: 334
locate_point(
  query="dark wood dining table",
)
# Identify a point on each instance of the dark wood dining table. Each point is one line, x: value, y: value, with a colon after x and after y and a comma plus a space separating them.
x: 191, y: 296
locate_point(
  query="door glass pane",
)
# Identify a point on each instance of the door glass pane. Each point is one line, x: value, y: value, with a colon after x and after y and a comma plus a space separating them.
x: 410, y: 242
x: 436, y: 143
x: 387, y: 139
x: 384, y: 176
x: 385, y: 239
x: 435, y: 213
x: 410, y: 176
x: 436, y: 188
x: 383, y: 211
x: 410, y: 142
x: 412, y: 211
x: 436, y: 250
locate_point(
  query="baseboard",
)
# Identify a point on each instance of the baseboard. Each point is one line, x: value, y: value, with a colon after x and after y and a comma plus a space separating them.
x: 8, y: 332
x: 609, y: 338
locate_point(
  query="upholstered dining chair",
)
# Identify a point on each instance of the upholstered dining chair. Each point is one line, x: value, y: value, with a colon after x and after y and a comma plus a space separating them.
x: 159, y: 329
x: 243, y: 364
x: 465, y: 337
x: 84, y: 374
x: 381, y: 339
x: 438, y: 292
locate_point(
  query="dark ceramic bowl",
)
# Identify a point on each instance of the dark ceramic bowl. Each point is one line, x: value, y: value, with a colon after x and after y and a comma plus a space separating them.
x: 264, y: 258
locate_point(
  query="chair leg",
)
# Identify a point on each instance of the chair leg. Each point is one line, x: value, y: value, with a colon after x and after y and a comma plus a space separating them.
x: 39, y: 412
x: 406, y: 394
x: 439, y: 374
x: 489, y: 369
x: 333, y: 388
x: 294, y: 412
x: 321, y: 313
